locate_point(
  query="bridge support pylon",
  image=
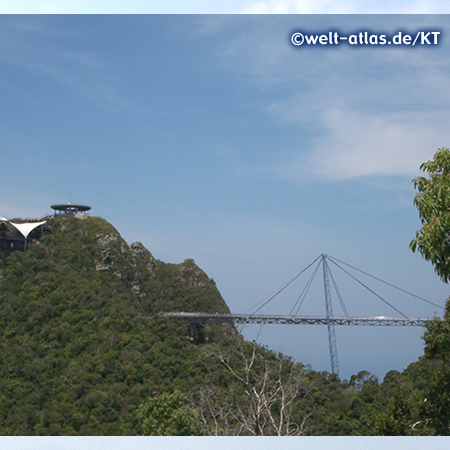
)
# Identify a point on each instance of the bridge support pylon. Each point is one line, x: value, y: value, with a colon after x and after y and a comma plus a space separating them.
x: 330, y: 322
x: 198, y: 333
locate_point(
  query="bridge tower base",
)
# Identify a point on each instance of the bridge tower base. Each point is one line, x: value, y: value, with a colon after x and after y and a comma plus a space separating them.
x: 198, y: 333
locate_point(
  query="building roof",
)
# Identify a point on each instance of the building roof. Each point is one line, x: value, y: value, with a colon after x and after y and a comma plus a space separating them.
x: 70, y: 208
x: 26, y: 228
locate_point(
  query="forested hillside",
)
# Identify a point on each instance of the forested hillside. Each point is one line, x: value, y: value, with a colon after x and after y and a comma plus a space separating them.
x: 75, y: 360
x: 73, y: 357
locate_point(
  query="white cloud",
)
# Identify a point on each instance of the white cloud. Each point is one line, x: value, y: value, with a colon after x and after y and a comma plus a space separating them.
x: 357, y: 113
x: 363, y: 145
x: 359, y: 144
x: 224, y: 7
x: 301, y: 7
x: 347, y: 7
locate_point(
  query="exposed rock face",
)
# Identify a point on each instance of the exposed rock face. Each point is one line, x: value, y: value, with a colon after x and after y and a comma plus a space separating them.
x: 116, y: 252
x: 106, y: 239
x: 139, y: 252
x: 108, y: 258
x: 135, y: 288
x: 192, y: 275
x: 142, y: 262
x: 104, y: 261
x: 134, y: 264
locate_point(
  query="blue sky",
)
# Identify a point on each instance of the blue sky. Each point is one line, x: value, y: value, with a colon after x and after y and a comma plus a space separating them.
x: 213, y: 138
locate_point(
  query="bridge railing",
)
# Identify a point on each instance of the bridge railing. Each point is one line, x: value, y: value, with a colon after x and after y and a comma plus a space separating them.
x: 193, y: 317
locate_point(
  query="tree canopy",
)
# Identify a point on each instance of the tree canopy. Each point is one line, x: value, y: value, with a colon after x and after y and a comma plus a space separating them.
x: 75, y: 361
x: 433, y: 202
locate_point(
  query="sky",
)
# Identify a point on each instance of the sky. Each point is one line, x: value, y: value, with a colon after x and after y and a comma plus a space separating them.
x: 213, y: 138
x: 225, y: 7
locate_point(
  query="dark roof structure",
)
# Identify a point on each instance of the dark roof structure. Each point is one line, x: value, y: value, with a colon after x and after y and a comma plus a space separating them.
x: 69, y: 209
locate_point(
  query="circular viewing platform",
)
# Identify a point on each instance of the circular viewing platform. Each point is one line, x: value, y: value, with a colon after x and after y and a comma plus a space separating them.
x: 69, y: 209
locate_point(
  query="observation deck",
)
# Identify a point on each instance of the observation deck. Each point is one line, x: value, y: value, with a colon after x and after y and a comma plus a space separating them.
x: 69, y: 209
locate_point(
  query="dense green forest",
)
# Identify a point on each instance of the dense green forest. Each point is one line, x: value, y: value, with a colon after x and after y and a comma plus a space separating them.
x: 76, y: 360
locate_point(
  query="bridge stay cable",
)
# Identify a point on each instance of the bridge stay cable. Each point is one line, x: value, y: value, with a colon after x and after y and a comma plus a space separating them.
x: 329, y: 320
x: 281, y: 289
x: 305, y: 291
x: 332, y: 258
x: 370, y: 290
x: 341, y: 301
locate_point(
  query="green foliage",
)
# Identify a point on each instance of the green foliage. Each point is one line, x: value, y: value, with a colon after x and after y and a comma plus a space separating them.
x: 438, y: 402
x: 437, y: 336
x: 437, y: 406
x: 419, y: 398
x: 433, y: 242
x: 73, y: 358
x: 433, y: 202
x: 167, y: 415
x: 75, y: 361
x: 401, y: 415
x: 260, y: 393
x: 344, y: 408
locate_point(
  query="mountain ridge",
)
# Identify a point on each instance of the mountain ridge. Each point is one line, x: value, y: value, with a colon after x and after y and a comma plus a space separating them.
x: 67, y: 309
x: 74, y: 359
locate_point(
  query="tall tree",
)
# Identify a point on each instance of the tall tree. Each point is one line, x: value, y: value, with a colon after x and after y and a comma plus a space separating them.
x: 167, y: 415
x: 437, y: 346
x: 433, y: 242
x: 433, y: 202
x: 266, y: 399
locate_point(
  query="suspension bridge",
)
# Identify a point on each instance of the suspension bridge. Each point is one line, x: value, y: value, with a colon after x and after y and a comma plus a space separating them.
x: 245, y: 319
x: 198, y: 319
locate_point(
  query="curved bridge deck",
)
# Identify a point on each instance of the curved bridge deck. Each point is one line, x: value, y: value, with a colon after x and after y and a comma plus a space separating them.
x: 292, y: 320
